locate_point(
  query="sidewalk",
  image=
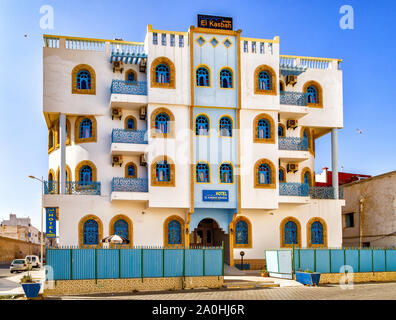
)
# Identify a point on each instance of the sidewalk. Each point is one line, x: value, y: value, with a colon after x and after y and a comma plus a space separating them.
x: 37, y: 275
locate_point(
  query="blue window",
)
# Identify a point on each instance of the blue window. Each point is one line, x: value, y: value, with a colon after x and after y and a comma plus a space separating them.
x: 281, y: 132
x: 162, y: 171
x: 174, y: 232
x: 305, y: 139
x: 290, y: 233
x: 202, y: 172
x: 264, y: 173
x: 172, y: 40
x: 241, y: 232
x: 202, y: 126
x: 85, y: 175
x: 85, y: 129
x: 131, y: 77
x: 155, y: 38
x: 131, y: 171
x: 83, y: 80
x: 162, y: 123
x: 121, y: 228
x: 312, y: 94
x: 226, y: 174
x: 202, y: 77
x: 181, y: 41
x: 91, y: 232
x: 225, y: 127
x: 307, y: 178
x: 264, y: 81
x: 163, y: 39
x: 226, y: 78
x: 316, y: 233
x: 281, y: 175
x: 264, y: 130
x: 51, y: 139
x: 162, y: 73
x: 131, y: 124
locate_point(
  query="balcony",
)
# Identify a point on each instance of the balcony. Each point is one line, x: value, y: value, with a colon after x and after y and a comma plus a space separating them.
x: 288, y: 147
x: 129, y: 189
x: 73, y: 188
x: 128, y: 94
x: 128, y: 142
x: 293, y: 105
x: 293, y: 189
x: 325, y: 192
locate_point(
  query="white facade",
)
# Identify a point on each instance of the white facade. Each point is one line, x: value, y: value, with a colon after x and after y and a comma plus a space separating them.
x: 146, y: 204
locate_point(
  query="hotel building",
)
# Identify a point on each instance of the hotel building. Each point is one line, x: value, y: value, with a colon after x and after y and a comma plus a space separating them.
x: 202, y: 137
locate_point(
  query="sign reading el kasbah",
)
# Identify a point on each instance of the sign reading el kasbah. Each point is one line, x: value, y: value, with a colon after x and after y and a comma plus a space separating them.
x: 214, y: 22
x: 51, y: 222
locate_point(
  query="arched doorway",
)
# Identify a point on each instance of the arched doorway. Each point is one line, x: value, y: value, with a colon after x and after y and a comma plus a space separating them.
x: 208, y: 234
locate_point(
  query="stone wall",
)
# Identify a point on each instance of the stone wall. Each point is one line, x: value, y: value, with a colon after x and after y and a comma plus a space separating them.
x: 11, y: 249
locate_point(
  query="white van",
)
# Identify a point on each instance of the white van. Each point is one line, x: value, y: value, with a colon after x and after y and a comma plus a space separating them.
x: 34, y: 261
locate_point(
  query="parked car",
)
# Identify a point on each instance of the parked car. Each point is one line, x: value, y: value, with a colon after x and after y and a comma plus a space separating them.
x: 34, y: 261
x: 19, y: 265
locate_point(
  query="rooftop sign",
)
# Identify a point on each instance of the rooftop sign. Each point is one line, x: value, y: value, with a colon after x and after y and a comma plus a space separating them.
x: 214, y: 22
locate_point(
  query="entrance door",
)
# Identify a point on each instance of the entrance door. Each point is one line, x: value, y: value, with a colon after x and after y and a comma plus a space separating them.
x: 204, y: 234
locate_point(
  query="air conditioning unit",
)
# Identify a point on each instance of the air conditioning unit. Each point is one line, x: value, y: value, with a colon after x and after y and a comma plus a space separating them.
x: 143, y: 113
x: 118, y: 66
x: 292, y: 124
x: 116, y: 160
x: 292, y: 167
x: 143, y: 161
x: 143, y: 65
x: 291, y: 79
x: 116, y: 112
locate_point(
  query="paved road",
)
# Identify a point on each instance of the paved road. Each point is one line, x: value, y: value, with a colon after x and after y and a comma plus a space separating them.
x: 5, y: 271
x: 377, y: 291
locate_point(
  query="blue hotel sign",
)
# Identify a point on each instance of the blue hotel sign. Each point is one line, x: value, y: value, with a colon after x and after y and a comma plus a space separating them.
x: 215, y: 195
x: 50, y: 218
x: 214, y: 22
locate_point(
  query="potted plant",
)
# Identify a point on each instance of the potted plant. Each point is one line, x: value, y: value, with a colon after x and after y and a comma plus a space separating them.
x: 264, y: 272
x: 30, y: 287
x: 308, y: 277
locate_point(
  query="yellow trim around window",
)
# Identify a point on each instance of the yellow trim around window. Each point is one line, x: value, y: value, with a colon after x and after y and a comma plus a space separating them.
x: 195, y: 125
x: 165, y: 231
x: 129, y: 71
x: 74, y: 73
x: 284, y: 174
x: 154, y: 133
x: 283, y: 127
x: 172, y: 173
x: 257, y: 183
x: 249, y: 225
x: 51, y: 172
x: 128, y: 221
x: 210, y: 75
x: 131, y: 163
x: 81, y: 229
x: 172, y: 74
x: 319, y: 90
x: 210, y: 41
x: 271, y: 123
x: 233, y: 172
x: 233, y: 77
x: 126, y: 122
x: 209, y: 175
x: 196, y: 40
x: 324, y: 225
x: 311, y: 180
x: 274, y: 83
x: 51, y: 136
x: 77, y: 124
x: 229, y: 41
x: 282, y: 232
x: 232, y: 125
x: 80, y: 165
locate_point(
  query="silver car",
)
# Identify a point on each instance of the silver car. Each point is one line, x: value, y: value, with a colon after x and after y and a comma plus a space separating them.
x: 19, y: 265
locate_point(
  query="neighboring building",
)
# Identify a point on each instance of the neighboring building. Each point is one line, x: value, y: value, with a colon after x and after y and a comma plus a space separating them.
x: 369, y: 214
x: 19, y: 229
x: 197, y: 138
x: 325, y: 178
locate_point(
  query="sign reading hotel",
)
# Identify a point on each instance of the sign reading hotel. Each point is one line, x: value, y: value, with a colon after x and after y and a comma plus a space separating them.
x: 50, y: 218
x: 214, y: 22
x: 215, y: 195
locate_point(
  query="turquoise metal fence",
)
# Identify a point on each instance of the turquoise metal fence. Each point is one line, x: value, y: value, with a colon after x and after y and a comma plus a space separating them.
x: 75, y: 263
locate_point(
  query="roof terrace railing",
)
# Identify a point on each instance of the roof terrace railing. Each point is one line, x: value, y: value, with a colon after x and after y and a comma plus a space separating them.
x: 310, y: 62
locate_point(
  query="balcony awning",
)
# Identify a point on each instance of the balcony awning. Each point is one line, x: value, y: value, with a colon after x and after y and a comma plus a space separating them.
x: 295, y: 70
x: 127, y: 57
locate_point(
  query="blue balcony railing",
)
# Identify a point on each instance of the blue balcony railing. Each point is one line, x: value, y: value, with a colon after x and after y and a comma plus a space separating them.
x: 293, y: 98
x: 129, y: 87
x: 293, y: 143
x: 293, y: 189
x: 129, y: 136
x: 73, y: 187
x: 129, y: 184
x: 325, y: 192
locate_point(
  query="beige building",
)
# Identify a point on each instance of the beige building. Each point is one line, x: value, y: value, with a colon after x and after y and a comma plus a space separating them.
x: 369, y: 214
x: 19, y: 229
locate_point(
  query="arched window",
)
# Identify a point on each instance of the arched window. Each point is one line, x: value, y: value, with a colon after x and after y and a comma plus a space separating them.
x: 131, y: 170
x: 121, y: 228
x: 130, y: 124
x: 290, y: 233
x: 162, y: 123
x: 306, y: 177
x: 202, y: 126
x: 225, y: 127
x: 85, y: 175
x: 130, y: 76
x: 312, y: 94
x: 226, y: 80
x: 163, y: 171
x: 50, y: 140
x: 162, y: 73
x: 174, y: 232
x: 264, y: 172
x: 85, y: 129
x: 202, y: 77
x: 281, y: 131
x: 263, y: 129
x: 264, y: 81
x: 226, y: 174
x: 241, y: 232
x: 202, y: 172
x: 316, y: 233
x: 281, y: 86
x: 91, y: 232
x: 83, y: 80
x: 281, y: 175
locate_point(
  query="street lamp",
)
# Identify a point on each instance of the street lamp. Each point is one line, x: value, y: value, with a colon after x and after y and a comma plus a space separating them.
x: 42, y: 194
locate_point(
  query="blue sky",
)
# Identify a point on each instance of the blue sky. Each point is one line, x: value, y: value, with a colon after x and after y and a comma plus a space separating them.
x: 306, y: 27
